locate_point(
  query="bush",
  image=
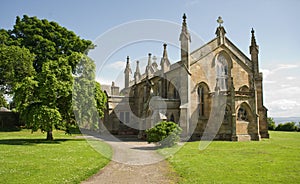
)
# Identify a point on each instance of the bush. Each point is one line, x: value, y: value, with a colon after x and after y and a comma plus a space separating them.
x: 271, y: 124
x: 289, y: 126
x: 164, y: 133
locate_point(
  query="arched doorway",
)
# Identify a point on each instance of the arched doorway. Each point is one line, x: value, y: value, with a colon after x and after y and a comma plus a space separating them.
x: 245, y: 122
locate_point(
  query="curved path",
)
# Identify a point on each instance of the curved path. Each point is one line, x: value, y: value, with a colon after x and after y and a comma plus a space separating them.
x: 133, y: 162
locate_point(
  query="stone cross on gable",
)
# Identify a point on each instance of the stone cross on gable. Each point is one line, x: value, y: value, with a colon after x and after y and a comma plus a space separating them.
x: 220, y: 21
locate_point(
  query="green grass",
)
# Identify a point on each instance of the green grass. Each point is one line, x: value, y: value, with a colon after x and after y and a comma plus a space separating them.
x: 274, y: 160
x: 29, y: 158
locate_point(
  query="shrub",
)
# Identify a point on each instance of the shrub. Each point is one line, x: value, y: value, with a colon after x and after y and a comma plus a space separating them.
x: 165, y: 133
x: 289, y: 126
x: 271, y: 124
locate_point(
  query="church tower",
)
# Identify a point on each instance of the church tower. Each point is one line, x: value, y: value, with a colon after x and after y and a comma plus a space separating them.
x: 127, y: 73
x: 258, y: 87
x: 185, y: 39
x: 165, y: 67
x: 185, y: 90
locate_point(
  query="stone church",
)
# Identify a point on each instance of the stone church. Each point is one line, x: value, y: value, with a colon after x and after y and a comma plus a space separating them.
x: 214, y: 91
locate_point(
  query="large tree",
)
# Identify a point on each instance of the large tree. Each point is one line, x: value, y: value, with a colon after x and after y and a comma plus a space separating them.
x: 44, y: 99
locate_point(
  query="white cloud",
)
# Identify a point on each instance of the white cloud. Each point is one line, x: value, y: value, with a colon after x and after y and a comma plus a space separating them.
x: 284, y: 104
x: 282, y: 90
x: 284, y: 108
x: 117, y: 65
x: 266, y: 72
x: 279, y: 67
x: 285, y: 85
x: 286, y: 66
x: 290, y: 78
x: 269, y: 82
x: 103, y: 80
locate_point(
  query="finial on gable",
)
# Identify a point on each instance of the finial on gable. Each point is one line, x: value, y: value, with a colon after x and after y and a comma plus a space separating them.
x: 220, y: 32
x: 253, y: 42
x: 127, y: 69
x: 165, y: 55
x: 220, y: 21
x: 184, y: 31
x: 184, y: 17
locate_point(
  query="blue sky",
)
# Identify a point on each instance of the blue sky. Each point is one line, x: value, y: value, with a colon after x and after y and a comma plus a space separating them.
x: 275, y: 22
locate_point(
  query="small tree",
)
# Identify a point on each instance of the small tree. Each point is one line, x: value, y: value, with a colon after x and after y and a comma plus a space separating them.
x: 289, y: 126
x: 164, y: 133
x: 271, y: 123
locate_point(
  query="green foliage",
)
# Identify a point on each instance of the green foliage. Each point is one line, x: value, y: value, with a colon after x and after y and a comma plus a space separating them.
x: 41, y: 117
x: 164, y: 133
x: 271, y: 123
x: 289, y: 126
x: 47, y: 40
x: 101, y: 99
x: 15, y: 65
x: 84, y: 93
x: 39, y: 61
x: 3, y: 102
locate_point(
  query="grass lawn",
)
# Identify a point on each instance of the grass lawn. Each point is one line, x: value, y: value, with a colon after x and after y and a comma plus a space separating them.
x: 274, y: 160
x: 29, y: 158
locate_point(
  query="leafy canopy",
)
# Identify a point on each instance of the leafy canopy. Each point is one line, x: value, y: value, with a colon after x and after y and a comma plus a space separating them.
x: 15, y: 65
x: 39, y: 64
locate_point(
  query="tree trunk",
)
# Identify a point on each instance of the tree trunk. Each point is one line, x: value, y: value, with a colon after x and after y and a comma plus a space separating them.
x: 49, y: 135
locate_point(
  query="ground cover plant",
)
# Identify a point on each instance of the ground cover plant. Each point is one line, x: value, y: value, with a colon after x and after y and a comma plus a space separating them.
x: 274, y: 160
x: 29, y: 158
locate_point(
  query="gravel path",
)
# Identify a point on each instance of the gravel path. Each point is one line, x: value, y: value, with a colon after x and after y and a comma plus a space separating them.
x: 133, y: 162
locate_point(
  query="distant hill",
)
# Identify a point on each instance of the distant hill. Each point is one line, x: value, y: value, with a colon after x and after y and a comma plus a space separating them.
x: 286, y: 119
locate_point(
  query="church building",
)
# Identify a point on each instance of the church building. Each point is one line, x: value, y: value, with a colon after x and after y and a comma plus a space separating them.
x: 215, y: 91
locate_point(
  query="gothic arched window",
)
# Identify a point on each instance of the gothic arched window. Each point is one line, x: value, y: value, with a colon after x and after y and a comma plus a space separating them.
x: 201, y: 103
x: 172, y: 118
x: 222, y: 72
x: 242, y: 114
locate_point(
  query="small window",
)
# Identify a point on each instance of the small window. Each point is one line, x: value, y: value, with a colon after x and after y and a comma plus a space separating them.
x: 159, y: 88
x: 175, y: 93
x: 172, y: 118
x: 122, y: 117
x: 222, y: 73
x: 125, y: 117
x: 201, y: 102
x: 145, y: 93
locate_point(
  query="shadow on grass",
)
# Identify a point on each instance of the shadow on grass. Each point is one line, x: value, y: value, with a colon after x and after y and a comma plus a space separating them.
x: 30, y: 142
x: 10, y: 129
